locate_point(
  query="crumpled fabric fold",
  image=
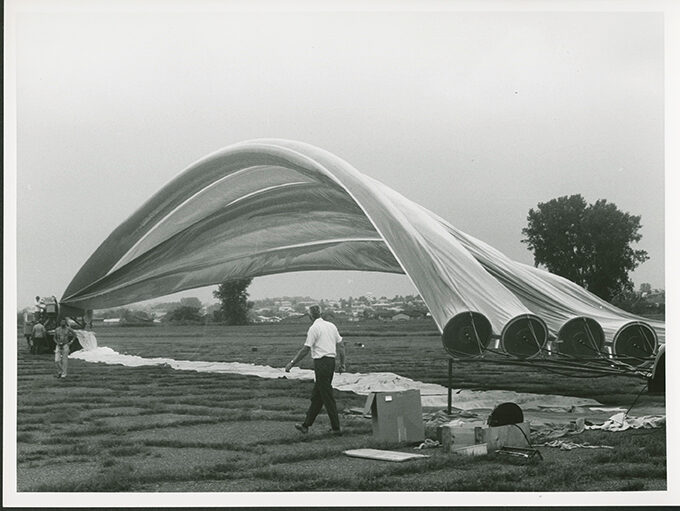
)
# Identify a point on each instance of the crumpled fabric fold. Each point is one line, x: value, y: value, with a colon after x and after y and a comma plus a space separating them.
x: 565, y: 445
x: 622, y: 422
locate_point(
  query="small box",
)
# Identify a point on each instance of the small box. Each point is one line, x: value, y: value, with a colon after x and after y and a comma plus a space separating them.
x: 470, y: 450
x: 510, y: 435
x: 397, y: 416
x: 453, y: 436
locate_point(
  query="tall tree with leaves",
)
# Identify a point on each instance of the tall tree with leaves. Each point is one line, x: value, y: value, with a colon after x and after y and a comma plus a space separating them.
x: 233, y: 297
x: 589, y: 244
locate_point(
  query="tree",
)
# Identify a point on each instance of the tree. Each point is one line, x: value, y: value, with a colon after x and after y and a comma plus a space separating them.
x: 184, y: 314
x: 233, y: 296
x: 630, y: 301
x: 589, y: 244
x: 191, y: 301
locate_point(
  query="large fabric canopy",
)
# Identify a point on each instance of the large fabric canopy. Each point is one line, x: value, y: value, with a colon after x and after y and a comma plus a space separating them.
x: 273, y: 206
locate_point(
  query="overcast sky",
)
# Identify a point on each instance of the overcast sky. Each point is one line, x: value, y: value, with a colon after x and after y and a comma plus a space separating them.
x: 477, y: 116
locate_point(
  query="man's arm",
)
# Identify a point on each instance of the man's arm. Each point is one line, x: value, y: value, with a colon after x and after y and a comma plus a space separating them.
x: 341, y: 356
x: 300, y: 355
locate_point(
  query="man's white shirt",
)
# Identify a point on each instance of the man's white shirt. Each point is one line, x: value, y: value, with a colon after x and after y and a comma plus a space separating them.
x: 322, y: 337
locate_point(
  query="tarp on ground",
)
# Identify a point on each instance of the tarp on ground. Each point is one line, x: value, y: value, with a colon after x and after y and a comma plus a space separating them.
x: 273, y: 206
x: 432, y: 395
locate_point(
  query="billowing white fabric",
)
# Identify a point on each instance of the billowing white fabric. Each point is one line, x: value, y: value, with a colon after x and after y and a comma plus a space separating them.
x: 551, y: 297
x: 273, y: 206
x: 87, y: 339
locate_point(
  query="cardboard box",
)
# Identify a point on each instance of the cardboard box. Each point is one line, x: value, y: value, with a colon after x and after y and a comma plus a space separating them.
x: 397, y: 416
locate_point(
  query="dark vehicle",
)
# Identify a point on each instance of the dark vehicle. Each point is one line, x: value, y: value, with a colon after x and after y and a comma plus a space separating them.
x: 48, y: 313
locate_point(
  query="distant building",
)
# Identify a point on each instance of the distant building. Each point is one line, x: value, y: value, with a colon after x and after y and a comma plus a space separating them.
x: 267, y: 319
x: 400, y: 316
x: 293, y: 318
x: 384, y: 315
x: 656, y: 297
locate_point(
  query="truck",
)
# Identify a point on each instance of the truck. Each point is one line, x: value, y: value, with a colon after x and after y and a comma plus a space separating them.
x: 50, y: 313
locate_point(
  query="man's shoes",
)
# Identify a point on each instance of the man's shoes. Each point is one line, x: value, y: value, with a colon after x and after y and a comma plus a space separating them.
x: 63, y: 376
x: 302, y: 428
x: 336, y: 432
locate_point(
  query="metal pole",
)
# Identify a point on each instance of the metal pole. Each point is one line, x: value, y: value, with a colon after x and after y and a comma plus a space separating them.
x: 448, y: 410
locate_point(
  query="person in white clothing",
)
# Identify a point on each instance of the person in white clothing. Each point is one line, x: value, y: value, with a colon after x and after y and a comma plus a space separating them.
x: 324, y: 343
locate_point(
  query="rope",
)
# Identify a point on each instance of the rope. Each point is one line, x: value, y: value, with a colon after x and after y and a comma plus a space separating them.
x: 565, y: 365
x: 649, y: 344
x: 591, y: 338
x: 533, y: 333
x: 479, y: 341
x: 636, y: 398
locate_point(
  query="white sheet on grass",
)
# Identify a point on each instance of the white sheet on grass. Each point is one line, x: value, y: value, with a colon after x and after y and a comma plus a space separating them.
x: 432, y: 395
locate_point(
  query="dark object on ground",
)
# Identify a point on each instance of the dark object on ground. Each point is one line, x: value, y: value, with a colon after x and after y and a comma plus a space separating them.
x: 506, y: 413
x: 43, y: 345
x: 253, y: 349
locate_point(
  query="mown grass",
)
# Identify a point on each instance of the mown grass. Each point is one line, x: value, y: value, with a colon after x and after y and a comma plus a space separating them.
x: 150, y: 428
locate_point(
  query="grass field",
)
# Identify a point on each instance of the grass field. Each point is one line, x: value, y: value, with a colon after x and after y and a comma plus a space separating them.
x: 150, y: 429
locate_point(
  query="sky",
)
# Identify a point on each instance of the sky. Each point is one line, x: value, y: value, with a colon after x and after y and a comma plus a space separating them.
x: 478, y: 116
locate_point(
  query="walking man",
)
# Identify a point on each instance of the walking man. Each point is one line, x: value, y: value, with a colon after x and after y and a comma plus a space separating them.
x: 323, y: 341
x: 63, y: 337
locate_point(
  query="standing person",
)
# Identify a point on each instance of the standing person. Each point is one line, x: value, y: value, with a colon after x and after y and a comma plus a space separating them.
x: 39, y: 308
x: 323, y: 341
x: 28, y: 329
x: 63, y: 337
x: 38, y: 335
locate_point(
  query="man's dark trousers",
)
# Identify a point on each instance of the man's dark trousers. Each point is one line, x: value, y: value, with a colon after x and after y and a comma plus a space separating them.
x: 322, y: 395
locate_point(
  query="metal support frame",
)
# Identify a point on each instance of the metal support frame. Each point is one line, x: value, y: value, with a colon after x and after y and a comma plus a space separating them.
x: 450, y: 397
